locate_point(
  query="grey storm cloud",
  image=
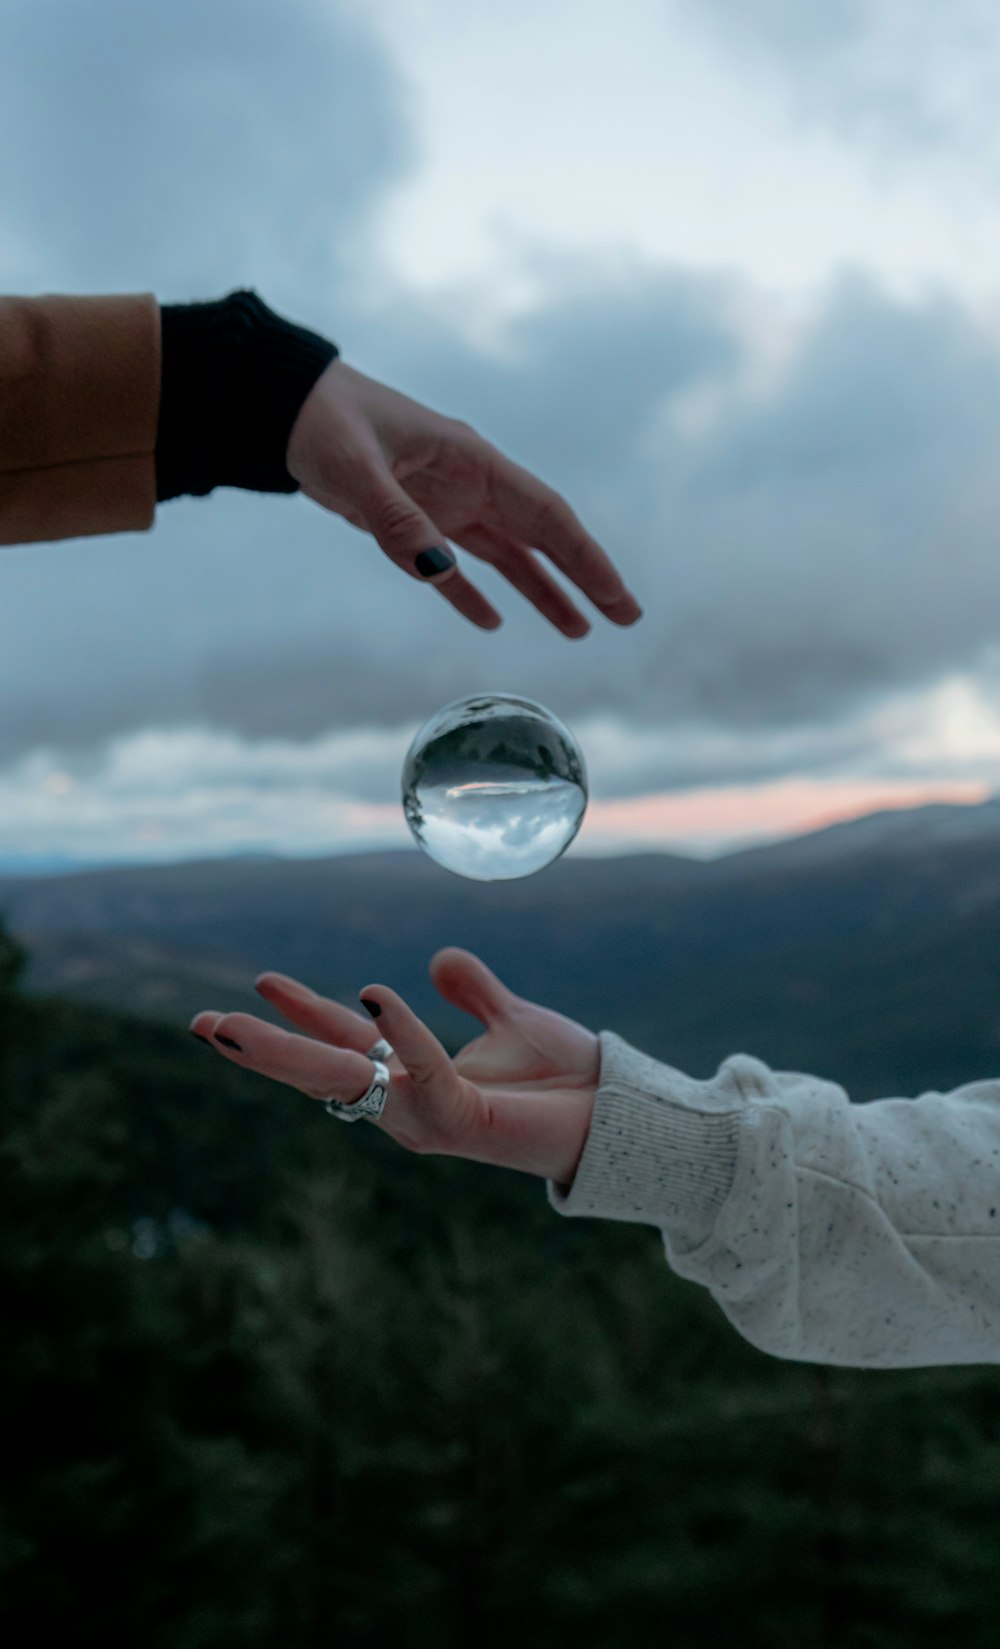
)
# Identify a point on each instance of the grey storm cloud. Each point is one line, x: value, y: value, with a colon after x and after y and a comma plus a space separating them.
x: 799, y: 557
x: 800, y: 554
x: 581, y: 375
x: 264, y: 616
x: 845, y: 533
x: 186, y: 146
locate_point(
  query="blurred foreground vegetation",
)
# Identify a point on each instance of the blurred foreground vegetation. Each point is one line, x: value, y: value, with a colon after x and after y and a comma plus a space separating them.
x: 269, y: 1381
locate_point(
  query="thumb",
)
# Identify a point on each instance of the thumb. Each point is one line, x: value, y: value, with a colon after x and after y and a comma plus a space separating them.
x: 400, y: 528
x: 467, y: 983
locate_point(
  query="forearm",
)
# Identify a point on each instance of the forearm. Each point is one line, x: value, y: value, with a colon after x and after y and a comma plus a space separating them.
x: 110, y: 405
x: 828, y: 1232
x: 79, y: 392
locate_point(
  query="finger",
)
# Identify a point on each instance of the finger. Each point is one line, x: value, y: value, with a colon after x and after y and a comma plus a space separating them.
x: 409, y: 538
x: 400, y: 527
x: 417, y: 1048
x: 317, y: 1015
x: 470, y: 602
x: 312, y: 1067
x: 532, y: 512
x: 203, y: 1025
x: 520, y: 567
x: 467, y: 983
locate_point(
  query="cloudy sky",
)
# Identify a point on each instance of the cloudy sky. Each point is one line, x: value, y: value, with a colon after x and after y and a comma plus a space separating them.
x: 725, y: 272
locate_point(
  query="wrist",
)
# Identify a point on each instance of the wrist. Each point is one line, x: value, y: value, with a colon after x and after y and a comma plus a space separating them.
x: 538, y: 1132
x: 662, y: 1148
x: 574, y: 1119
x: 234, y: 378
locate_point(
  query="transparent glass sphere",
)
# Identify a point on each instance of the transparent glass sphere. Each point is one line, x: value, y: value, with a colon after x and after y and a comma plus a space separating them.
x: 494, y: 787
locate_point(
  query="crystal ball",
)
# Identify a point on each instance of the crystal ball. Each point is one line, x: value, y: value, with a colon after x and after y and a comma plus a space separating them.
x: 494, y: 787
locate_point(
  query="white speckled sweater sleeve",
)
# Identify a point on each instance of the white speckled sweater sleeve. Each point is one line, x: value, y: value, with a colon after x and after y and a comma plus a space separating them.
x: 861, y: 1235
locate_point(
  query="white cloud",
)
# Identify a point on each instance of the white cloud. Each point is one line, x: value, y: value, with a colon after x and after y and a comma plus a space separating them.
x: 801, y: 552
x: 675, y: 130
x: 186, y: 793
x: 167, y: 795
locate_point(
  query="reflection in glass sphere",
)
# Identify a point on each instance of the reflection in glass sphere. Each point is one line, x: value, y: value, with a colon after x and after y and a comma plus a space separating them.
x: 494, y: 787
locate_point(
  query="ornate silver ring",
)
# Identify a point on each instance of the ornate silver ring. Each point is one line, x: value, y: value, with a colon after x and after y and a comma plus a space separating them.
x: 372, y: 1101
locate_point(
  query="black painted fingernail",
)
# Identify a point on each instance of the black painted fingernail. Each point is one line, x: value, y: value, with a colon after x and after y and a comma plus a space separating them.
x: 201, y: 1038
x: 430, y: 562
x: 374, y: 1008
x: 227, y: 1041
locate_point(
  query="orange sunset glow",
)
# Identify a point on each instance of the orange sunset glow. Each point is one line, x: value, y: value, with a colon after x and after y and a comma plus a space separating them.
x: 712, y: 820
x: 790, y: 807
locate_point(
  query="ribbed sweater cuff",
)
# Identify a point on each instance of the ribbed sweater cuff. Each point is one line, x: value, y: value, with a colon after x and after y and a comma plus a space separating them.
x: 234, y: 378
x: 661, y: 1150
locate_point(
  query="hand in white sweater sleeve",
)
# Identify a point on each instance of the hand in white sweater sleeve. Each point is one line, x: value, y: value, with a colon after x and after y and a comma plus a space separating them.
x: 862, y: 1235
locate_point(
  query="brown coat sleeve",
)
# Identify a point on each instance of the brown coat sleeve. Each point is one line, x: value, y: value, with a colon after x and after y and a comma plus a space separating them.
x: 79, y: 399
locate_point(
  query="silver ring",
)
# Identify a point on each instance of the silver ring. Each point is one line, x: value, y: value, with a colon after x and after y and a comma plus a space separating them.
x: 372, y: 1101
x: 381, y: 1050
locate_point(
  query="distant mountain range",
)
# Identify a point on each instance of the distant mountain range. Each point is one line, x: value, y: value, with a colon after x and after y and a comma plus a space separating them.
x: 869, y: 951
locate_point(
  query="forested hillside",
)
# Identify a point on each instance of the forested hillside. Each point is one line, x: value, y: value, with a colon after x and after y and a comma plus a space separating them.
x: 867, y: 953
x: 273, y: 1382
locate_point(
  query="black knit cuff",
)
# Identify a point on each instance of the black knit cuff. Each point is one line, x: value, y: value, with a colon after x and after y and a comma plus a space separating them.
x: 234, y: 376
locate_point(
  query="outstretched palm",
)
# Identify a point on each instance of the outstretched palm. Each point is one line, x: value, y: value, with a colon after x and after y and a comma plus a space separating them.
x: 520, y: 1095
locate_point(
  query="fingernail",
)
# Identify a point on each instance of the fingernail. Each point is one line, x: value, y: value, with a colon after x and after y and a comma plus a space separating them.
x: 201, y: 1038
x: 374, y: 1008
x: 227, y: 1041
x: 431, y: 562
